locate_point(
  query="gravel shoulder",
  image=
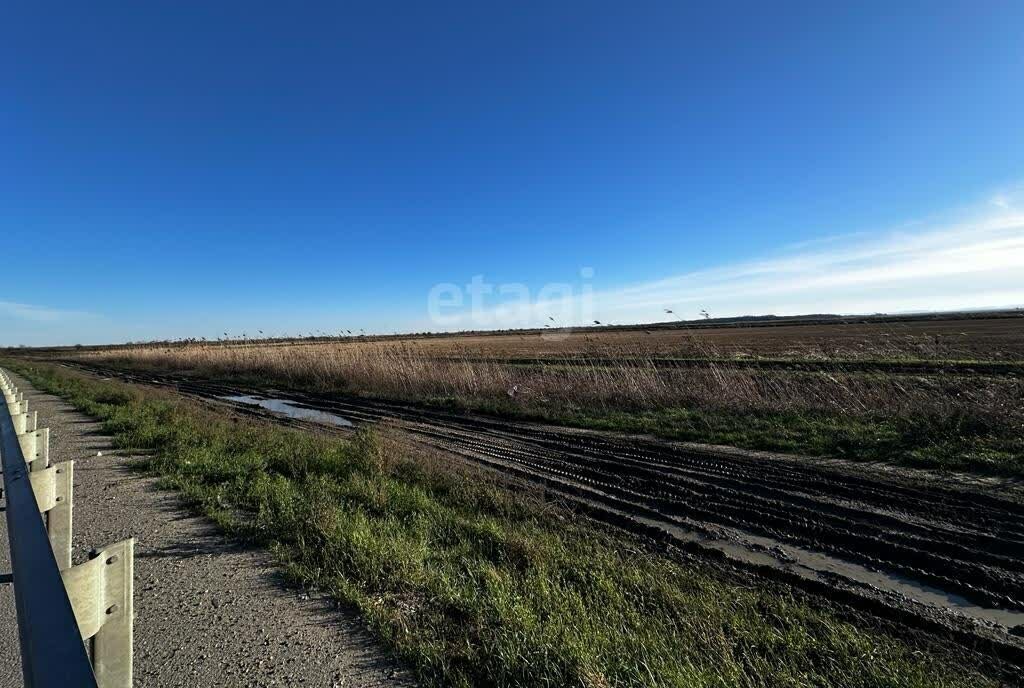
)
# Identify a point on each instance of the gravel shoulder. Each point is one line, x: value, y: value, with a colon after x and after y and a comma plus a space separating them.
x: 208, y: 612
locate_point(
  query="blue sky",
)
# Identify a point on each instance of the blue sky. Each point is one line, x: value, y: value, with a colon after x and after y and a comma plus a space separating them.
x: 184, y: 169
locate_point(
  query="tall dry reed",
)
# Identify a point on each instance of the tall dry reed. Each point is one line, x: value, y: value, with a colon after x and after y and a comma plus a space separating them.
x: 406, y: 370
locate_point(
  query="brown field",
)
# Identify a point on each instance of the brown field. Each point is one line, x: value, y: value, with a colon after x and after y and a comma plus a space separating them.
x: 836, y: 378
x: 992, y: 339
x: 616, y: 367
x: 938, y: 550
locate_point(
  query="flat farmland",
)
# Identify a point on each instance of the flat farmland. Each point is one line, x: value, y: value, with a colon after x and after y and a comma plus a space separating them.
x: 873, y: 465
x: 975, y: 339
x: 927, y: 392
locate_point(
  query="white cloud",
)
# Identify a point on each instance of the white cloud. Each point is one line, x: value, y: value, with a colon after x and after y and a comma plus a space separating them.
x: 971, y: 263
x: 43, y: 314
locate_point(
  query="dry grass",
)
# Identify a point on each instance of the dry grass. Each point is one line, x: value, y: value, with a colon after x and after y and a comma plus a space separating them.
x: 962, y: 421
x: 474, y: 584
x: 404, y: 370
x: 985, y: 339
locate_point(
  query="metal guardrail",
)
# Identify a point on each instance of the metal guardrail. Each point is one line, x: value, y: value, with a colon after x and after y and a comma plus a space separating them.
x: 74, y: 622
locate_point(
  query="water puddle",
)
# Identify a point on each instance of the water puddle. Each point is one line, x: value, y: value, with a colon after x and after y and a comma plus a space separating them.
x: 740, y: 545
x: 893, y: 582
x: 290, y: 409
x: 760, y: 550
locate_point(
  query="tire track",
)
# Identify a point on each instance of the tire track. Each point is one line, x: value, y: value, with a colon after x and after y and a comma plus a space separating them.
x: 965, y: 544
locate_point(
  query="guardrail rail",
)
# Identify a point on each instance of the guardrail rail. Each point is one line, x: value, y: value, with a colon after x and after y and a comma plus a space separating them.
x: 74, y: 622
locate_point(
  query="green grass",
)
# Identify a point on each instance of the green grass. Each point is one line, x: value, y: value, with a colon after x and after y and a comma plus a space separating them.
x: 969, y: 440
x: 967, y: 424
x: 948, y: 443
x: 474, y: 584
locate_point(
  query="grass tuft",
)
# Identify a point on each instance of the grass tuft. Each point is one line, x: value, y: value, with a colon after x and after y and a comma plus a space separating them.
x: 956, y: 421
x: 474, y: 584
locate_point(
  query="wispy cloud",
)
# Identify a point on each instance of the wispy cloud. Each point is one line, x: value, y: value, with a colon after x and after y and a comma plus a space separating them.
x: 974, y: 262
x: 1000, y: 200
x: 34, y: 313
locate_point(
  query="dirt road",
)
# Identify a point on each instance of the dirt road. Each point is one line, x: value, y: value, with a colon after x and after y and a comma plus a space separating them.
x: 939, y: 553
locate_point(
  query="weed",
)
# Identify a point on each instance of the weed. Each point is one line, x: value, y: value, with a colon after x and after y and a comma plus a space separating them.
x: 476, y: 584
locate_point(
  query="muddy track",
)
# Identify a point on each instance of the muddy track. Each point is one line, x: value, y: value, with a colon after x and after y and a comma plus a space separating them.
x: 963, y: 368
x: 921, y: 549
